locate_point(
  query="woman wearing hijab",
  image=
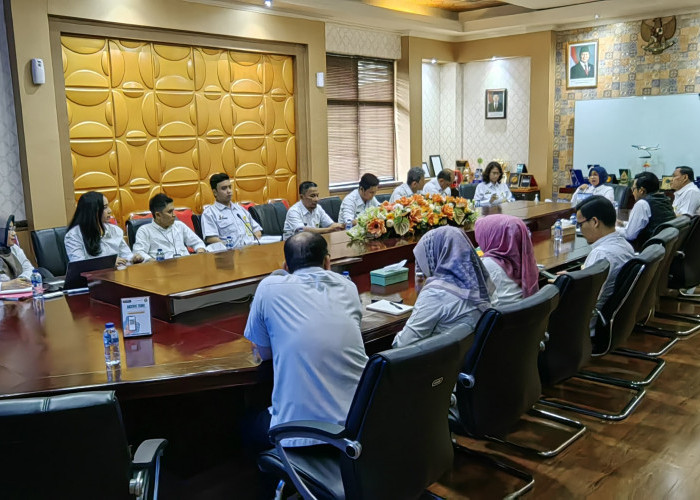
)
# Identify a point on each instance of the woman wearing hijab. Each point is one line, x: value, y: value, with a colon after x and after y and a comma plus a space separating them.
x: 15, y: 268
x: 597, y: 177
x: 457, y: 290
x: 508, y: 257
x: 91, y: 235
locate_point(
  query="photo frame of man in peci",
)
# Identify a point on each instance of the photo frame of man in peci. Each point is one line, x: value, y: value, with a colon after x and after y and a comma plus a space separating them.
x: 582, y: 67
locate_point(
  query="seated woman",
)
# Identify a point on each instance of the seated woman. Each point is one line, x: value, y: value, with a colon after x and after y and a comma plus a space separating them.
x: 91, y: 235
x: 15, y: 268
x: 491, y: 191
x: 457, y: 290
x: 597, y: 177
x: 508, y: 257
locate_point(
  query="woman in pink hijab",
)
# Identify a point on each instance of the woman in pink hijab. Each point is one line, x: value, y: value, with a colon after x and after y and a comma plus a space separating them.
x: 508, y: 257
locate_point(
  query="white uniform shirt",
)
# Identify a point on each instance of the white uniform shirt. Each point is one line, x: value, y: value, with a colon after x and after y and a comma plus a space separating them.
x: 433, y: 187
x: 586, y: 190
x: 298, y: 217
x: 311, y: 322
x: 173, y: 241
x: 686, y: 201
x: 484, y: 191
x: 353, y: 206
x: 402, y: 190
x: 507, y: 291
x: 111, y: 243
x: 638, y: 220
x: 617, y: 251
x: 234, y: 221
x: 435, y: 312
x: 27, y: 266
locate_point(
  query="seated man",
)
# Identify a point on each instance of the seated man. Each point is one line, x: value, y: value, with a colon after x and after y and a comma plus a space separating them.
x: 650, y: 209
x: 225, y: 219
x: 355, y: 203
x: 596, y: 218
x: 686, y: 199
x: 306, y: 215
x: 165, y: 232
x: 414, y: 183
x: 441, y: 184
x: 308, y: 323
x: 15, y: 268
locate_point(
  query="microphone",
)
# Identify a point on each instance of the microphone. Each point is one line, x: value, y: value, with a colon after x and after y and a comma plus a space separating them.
x: 248, y: 227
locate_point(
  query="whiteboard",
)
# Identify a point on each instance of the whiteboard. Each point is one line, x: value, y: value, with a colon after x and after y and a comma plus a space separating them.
x: 605, y: 129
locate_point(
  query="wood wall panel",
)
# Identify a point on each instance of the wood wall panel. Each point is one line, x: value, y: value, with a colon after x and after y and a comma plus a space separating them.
x: 147, y: 118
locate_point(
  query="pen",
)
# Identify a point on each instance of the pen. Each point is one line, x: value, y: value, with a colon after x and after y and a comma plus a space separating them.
x: 396, y: 306
x: 76, y: 291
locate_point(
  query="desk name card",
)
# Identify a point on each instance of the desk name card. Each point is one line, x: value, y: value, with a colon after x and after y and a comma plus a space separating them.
x: 136, y: 316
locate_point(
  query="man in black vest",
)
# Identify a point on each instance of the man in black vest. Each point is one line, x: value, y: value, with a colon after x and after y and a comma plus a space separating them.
x: 650, y: 209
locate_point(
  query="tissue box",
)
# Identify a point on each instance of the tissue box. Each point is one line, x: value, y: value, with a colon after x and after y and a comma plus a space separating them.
x: 384, y: 277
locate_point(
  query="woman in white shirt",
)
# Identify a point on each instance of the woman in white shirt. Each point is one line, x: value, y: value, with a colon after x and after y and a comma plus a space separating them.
x: 491, y: 191
x: 91, y: 235
x: 457, y: 290
x: 508, y: 257
x: 597, y: 177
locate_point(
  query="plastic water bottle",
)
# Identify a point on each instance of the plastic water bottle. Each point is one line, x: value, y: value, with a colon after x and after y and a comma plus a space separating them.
x: 229, y: 243
x: 617, y: 208
x: 160, y: 255
x: 110, y: 339
x: 348, y: 225
x: 537, y: 197
x: 37, y: 285
x: 346, y: 275
x: 573, y: 219
x: 558, y: 232
x: 477, y: 203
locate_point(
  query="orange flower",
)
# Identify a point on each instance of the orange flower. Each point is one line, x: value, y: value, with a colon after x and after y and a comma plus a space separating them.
x: 437, y: 198
x: 433, y: 219
x: 376, y: 227
x: 416, y: 214
x: 388, y: 206
x: 448, y: 211
x: 404, y: 201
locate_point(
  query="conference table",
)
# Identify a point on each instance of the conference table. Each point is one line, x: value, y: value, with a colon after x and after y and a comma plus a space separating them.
x: 55, y: 346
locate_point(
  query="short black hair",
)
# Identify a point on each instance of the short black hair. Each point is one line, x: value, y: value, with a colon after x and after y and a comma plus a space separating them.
x: 216, y: 178
x: 487, y: 171
x: 684, y: 170
x: 158, y: 203
x: 305, y: 186
x: 368, y: 181
x: 599, y: 207
x: 305, y: 249
x: 648, y: 181
x: 415, y: 174
x: 445, y: 174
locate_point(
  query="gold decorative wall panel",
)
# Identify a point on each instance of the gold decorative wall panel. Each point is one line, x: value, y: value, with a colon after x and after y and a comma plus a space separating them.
x: 146, y: 118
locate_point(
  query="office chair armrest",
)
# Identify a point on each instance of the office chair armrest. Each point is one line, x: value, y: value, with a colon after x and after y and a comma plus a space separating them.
x: 148, y: 452
x: 332, y: 434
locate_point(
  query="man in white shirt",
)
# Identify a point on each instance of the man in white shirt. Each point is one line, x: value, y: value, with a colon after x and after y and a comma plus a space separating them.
x: 225, y: 219
x: 686, y: 199
x: 362, y: 198
x: 441, y: 184
x: 650, y: 209
x: 308, y: 322
x: 306, y: 215
x: 165, y: 233
x: 413, y: 185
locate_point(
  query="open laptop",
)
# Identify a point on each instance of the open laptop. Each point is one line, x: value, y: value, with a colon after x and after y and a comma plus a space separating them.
x: 74, y: 270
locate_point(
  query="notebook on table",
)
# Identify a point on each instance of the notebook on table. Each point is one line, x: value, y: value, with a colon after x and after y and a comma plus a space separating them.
x: 389, y: 307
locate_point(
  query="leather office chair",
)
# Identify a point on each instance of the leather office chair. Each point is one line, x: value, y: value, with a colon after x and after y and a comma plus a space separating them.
x: 73, y: 446
x: 197, y: 223
x: 268, y: 216
x: 331, y: 206
x: 622, y: 195
x: 467, y: 191
x: 132, y: 227
x: 685, y: 268
x: 376, y: 455
x: 283, y: 201
x: 50, y: 250
x: 381, y: 198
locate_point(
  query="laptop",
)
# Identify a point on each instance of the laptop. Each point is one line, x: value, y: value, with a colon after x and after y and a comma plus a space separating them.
x: 74, y: 270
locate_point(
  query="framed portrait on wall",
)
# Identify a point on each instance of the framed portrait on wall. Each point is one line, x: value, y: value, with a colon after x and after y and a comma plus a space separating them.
x: 525, y: 180
x: 495, y: 103
x: 435, y: 164
x: 582, y: 64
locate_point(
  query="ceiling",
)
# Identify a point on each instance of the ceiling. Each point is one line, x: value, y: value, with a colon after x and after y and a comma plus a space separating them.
x: 459, y: 20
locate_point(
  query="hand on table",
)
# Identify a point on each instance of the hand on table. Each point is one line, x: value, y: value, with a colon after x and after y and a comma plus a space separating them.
x: 16, y: 284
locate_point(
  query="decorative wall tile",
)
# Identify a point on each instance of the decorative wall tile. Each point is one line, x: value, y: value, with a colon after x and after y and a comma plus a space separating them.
x: 358, y: 42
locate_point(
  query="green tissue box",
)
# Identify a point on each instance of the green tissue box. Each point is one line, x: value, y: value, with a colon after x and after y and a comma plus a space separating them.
x: 385, y: 277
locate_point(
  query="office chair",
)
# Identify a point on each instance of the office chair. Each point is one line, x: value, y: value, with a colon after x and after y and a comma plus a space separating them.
x: 197, y: 223
x: 467, y: 191
x: 621, y: 194
x: 132, y: 227
x: 331, y: 206
x: 50, y: 250
x: 269, y: 216
x: 73, y: 446
x: 376, y: 454
x: 381, y: 198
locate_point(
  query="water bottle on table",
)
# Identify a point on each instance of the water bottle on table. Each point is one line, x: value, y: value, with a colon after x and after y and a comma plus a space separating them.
x: 346, y: 275
x: 348, y: 225
x: 229, y: 243
x: 110, y: 340
x: 558, y: 232
x: 160, y: 255
x: 37, y: 285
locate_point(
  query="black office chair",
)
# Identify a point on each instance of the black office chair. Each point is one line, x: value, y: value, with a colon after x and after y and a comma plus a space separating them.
x: 50, y: 250
x: 685, y: 269
x: 376, y: 455
x: 268, y: 215
x: 381, y: 198
x: 132, y: 227
x: 73, y: 446
x: 467, y: 191
x: 197, y: 224
x: 621, y: 194
x: 331, y: 206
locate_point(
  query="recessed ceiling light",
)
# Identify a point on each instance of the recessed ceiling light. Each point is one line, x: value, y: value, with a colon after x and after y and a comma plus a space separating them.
x: 268, y: 3
x: 433, y: 61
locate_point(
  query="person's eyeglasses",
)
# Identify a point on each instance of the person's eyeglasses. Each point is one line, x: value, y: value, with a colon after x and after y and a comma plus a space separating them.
x: 579, y: 223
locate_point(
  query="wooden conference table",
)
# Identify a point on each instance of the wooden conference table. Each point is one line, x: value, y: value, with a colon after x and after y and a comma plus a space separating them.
x: 58, y: 348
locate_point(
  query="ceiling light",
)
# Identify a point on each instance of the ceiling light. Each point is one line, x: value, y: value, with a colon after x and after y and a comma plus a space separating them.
x: 596, y: 16
x: 433, y: 61
x: 268, y: 3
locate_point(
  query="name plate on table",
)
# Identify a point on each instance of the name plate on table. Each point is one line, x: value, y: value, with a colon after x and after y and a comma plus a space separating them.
x: 136, y: 316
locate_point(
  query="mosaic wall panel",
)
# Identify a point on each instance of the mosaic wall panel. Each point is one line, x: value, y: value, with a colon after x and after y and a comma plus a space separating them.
x: 146, y: 118
x: 624, y: 69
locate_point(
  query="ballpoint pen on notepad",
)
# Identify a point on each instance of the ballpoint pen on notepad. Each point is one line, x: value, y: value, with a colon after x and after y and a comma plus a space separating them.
x: 396, y: 305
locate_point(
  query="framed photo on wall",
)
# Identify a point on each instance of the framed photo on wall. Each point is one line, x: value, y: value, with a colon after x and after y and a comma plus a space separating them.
x: 426, y: 170
x: 435, y: 164
x: 666, y: 182
x: 514, y: 180
x: 495, y: 103
x: 582, y: 64
x: 525, y: 180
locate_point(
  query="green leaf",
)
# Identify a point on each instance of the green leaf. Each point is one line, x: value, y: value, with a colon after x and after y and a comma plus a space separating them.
x: 401, y: 225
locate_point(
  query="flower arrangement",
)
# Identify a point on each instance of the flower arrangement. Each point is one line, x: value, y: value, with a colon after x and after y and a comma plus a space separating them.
x: 412, y: 215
